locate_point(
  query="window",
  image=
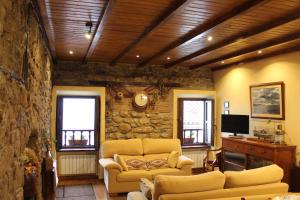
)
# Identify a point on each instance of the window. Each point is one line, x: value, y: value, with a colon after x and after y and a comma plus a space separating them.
x: 77, y: 125
x: 195, y: 127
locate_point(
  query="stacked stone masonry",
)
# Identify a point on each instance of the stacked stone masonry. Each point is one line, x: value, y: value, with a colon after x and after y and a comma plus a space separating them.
x: 25, y: 93
x: 122, y: 119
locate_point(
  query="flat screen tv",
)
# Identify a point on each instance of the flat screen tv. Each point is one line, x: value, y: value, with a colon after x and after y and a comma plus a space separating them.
x: 236, y: 124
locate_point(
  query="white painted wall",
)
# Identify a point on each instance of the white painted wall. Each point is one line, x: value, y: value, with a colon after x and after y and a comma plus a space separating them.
x: 232, y: 85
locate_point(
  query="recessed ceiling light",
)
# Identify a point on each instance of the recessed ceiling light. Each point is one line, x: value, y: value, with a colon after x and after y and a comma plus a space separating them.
x: 137, y: 56
x: 259, y: 52
x: 223, y: 62
x: 210, y: 38
x: 88, y: 35
x: 168, y: 58
x: 71, y: 52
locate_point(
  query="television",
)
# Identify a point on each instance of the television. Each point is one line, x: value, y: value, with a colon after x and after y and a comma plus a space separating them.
x: 236, y: 124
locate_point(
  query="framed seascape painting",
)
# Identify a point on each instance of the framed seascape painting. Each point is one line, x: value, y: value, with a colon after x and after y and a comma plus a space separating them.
x: 267, y: 101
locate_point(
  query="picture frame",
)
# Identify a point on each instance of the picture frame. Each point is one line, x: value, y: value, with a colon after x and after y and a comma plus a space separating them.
x: 267, y: 101
x: 226, y: 104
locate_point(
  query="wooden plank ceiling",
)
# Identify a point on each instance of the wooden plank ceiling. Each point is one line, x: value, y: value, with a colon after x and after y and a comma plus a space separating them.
x: 193, y: 33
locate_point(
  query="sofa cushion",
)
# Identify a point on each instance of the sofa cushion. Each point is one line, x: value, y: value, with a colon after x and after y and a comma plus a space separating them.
x: 121, y: 162
x: 157, y: 161
x: 110, y: 147
x: 173, y: 159
x: 166, y: 184
x: 133, y: 175
x: 236, y: 193
x: 258, y: 176
x: 166, y: 171
x: 134, y: 162
x: 155, y: 146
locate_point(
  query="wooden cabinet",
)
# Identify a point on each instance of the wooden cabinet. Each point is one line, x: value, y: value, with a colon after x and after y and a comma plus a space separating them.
x: 295, y: 186
x: 239, y: 154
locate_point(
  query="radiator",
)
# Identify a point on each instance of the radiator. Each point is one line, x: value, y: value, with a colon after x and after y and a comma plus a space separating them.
x: 196, y: 155
x: 77, y: 164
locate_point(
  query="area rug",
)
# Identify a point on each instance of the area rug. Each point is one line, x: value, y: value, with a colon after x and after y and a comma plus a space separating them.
x: 77, y: 192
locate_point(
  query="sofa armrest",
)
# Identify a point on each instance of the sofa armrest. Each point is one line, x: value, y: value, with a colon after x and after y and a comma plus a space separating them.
x: 183, y: 160
x: 109, y: 163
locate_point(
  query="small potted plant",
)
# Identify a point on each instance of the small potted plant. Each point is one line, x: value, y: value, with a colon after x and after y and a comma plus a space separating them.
x: 78, y: 142
x: 31, y: 171
x: 189, y: 139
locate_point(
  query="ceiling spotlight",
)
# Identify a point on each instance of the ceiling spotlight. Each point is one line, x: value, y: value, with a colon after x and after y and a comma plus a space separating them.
x: 168, y: 58
x: 259, y: 52
x: 223, y: 62
x: 209, y: 38
x: 88, y: 34
x: 71, y: 52
x: 137, y: 56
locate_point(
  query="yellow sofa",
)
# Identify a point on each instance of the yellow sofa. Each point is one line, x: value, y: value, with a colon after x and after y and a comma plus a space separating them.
x: 117, y: 180
x: 260, y: 183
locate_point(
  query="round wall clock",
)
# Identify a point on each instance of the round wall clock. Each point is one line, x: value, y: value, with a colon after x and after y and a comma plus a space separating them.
x: 140, y: 101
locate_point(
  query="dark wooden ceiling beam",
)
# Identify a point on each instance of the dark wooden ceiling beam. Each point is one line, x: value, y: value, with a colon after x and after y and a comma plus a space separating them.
x: 269, y: 43
x: 99, y: 29
x: 43, y: 17
x: 168, y: 14
x: 203, y: 28
x: 256, y: 58
x: 260, y: 29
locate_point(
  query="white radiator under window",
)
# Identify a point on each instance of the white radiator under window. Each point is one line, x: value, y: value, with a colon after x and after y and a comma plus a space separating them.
x: 77, y: 164
x: 196, y: 155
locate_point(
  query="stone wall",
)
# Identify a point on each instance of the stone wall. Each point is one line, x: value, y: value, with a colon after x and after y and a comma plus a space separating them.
x: 122, y: 119
x: 75, y: 73
x: 25, y: 93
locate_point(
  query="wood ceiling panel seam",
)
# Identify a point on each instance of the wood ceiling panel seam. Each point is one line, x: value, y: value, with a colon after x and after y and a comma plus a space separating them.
x: 249, y: 33
x: 80, y: 2
x: 159, y: 21
x: 44, y: 12
x: 78, y: 5
x: 200, y: 30
x: 266, y: 44
x: 100, y: 26
x: 256, y: 58
x: 96, y: 9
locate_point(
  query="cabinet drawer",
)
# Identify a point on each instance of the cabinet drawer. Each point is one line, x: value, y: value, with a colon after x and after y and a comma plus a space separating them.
x: 234, y: 146
x: 260, y: 151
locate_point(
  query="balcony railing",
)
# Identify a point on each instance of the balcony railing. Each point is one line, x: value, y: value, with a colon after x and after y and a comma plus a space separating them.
x: 192, y: 137
x: 78, y: 138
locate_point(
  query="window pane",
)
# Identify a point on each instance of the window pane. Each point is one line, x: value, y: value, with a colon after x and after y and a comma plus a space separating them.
x: 193, y: 113
x: 208, y: 121
x: 78, y: 114
x: 193, y: 122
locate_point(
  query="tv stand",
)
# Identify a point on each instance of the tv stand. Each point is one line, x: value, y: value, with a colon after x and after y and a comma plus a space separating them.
x: 248, y: 154
x: 236, y: 136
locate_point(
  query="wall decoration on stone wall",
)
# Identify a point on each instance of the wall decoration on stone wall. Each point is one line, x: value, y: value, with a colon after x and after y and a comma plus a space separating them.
x: 267, y: 100
x: 141, y: 100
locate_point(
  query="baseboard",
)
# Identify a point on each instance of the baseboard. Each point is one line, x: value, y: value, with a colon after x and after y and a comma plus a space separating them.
x: 78, y: 177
